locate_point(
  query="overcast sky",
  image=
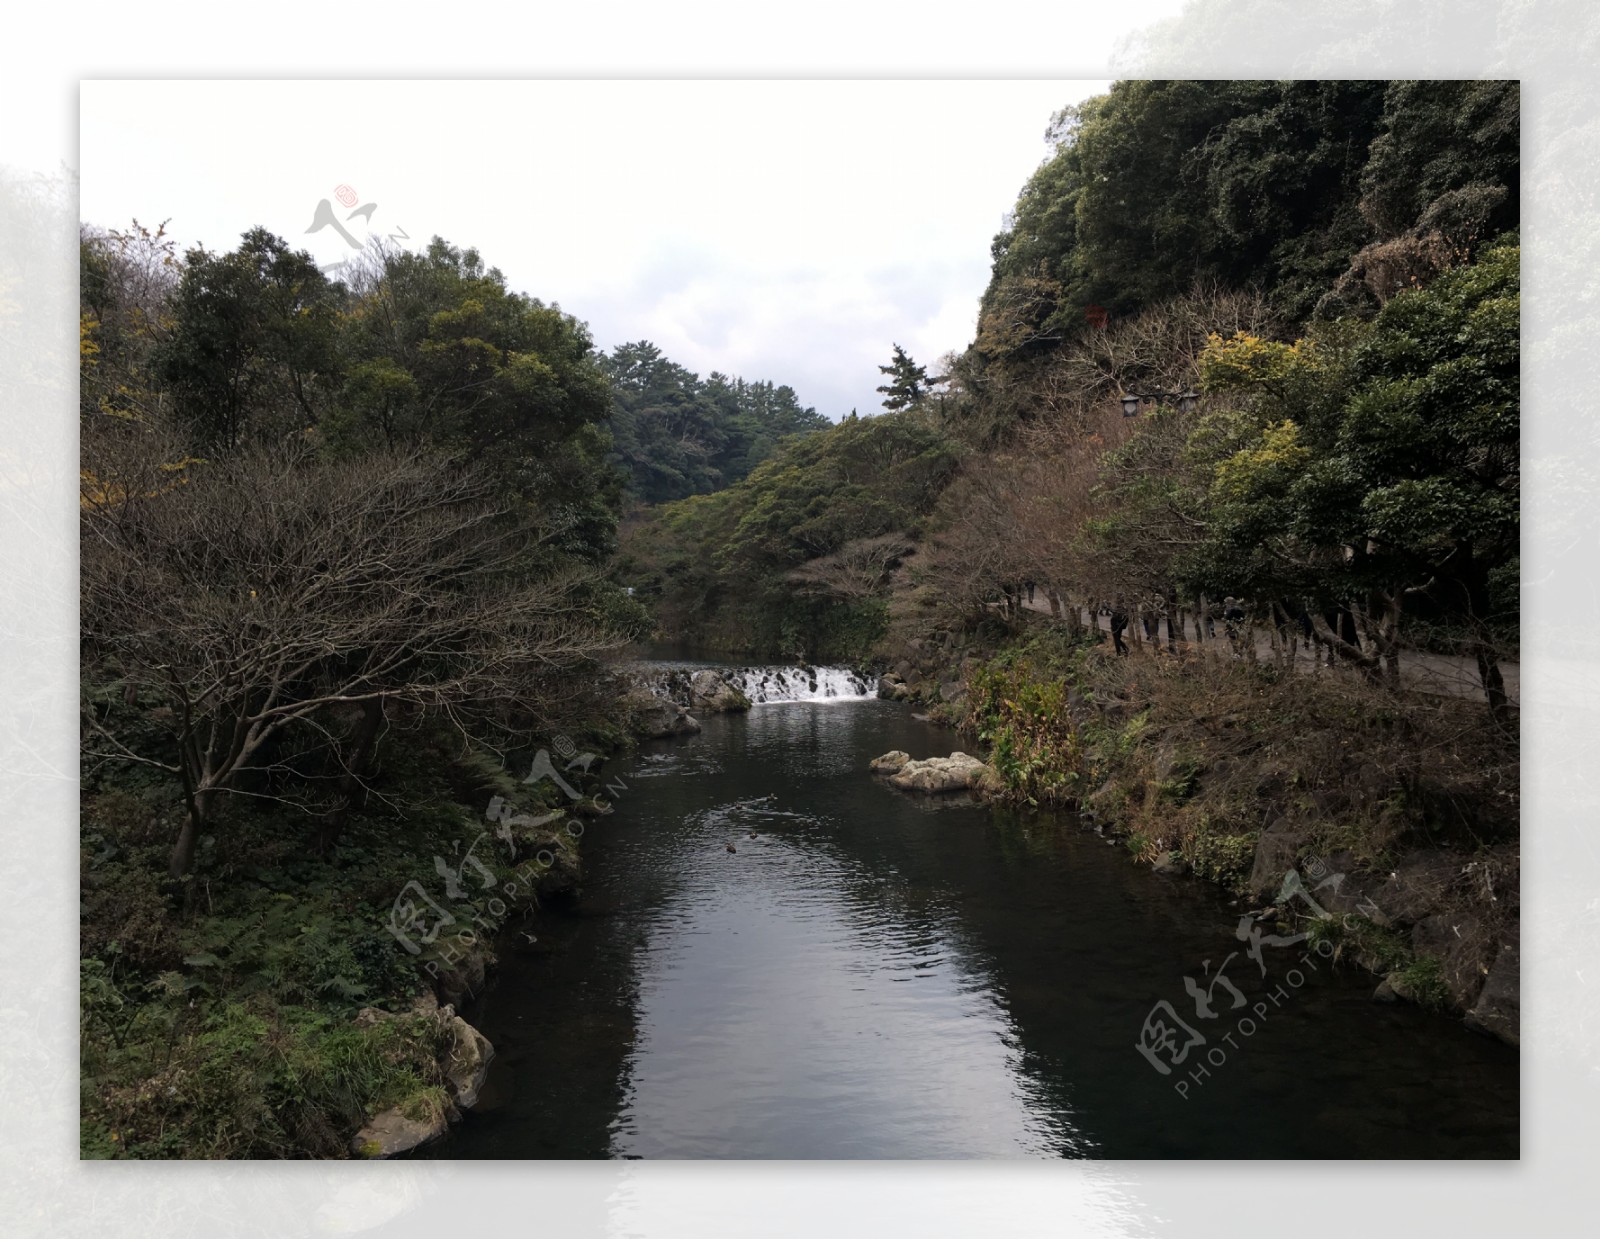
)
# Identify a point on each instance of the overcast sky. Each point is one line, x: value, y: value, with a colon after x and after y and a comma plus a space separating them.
x: 790, y: 231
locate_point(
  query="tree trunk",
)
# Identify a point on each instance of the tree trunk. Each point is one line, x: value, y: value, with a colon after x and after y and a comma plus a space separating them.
x: 1344, y: 642
x: 364, y: 744
x: 1494, y: 684
x: 1282, y: 655
x: 1381, y: 621
x: 1475, y: 580
x: 181, y: 861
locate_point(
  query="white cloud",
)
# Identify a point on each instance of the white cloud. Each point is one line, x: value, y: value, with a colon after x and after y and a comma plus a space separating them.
x: 784, y: 230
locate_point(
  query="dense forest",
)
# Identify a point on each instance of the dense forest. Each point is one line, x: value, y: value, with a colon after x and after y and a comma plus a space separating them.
x: 349, y: 549
x: 1330, y: 267
x: 678, y: 435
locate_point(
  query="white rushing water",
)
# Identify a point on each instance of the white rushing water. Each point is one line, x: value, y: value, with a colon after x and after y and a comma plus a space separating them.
x: 762, y: 685
x: 799, y: 684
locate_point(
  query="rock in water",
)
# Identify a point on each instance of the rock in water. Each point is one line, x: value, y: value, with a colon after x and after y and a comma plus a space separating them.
x: 956, y: 773
x: 891, y: 762
x: 655, y: 716
x: 709, y: 692
x: 468, y: 1064
x: 393, y: 1132
x: 1499, y: 1008
x: 465, y: 1066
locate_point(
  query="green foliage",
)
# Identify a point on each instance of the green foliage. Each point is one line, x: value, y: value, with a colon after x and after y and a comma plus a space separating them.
x: 1383, y: 950
x: 908, y: 384
x: 1223, y: 858
x: 253, y: 349
x: 677, y: 435
x: 225, y: 1026
x: 1387, y: 458
x: 1443, y: 136
x: 1159, y: 185
x: 764, y: 566
x: 1423, y: 983
x: 1034, y: 744
x: 1110, y: 745
x: 440, y: 353
x: 255, y: 1079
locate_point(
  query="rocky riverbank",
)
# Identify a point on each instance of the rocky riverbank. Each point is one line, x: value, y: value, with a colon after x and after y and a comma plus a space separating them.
x: 1231, y: 773
x: 657, y: 703
x: 464, y: 1063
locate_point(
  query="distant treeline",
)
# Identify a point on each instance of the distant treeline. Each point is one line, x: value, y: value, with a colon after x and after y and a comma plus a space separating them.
x: 678, y: 435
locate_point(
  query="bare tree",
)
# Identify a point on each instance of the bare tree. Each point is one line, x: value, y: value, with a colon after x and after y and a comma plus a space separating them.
x: 860, y: 569
x: 273, y: 590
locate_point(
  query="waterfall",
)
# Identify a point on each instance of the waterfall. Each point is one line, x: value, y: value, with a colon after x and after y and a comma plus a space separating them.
x: 799, y: 684
x: 776, y: 683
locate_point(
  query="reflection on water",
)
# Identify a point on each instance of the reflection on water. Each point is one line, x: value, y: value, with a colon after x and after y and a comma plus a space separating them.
x: 872, y: 975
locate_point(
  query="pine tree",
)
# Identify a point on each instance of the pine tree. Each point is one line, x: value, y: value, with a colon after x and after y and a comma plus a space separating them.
x: 908, y: 382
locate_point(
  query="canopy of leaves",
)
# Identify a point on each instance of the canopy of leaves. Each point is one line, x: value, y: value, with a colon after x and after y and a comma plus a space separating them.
x: 1387, y: 458
x: 751, y: 566
x: 677, y: 435
x: 1160, y: 185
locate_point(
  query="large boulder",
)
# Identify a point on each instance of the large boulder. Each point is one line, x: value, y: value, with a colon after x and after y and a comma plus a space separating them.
x: 468, y: 1062
x: 891, y: 762
x: 655, y: 716
x: 1345, y: 892
x: 1277, y: 852
x: 710, y: 693
x: 466, y: 1065
x: 394, y: 1132
x: 1499, y: 1007
x: 956, y: 773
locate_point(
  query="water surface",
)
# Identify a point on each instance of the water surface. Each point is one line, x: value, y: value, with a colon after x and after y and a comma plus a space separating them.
x: 874, y: 975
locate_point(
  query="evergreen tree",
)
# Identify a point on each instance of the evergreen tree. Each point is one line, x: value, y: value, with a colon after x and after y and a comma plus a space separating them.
x: 908, y: 383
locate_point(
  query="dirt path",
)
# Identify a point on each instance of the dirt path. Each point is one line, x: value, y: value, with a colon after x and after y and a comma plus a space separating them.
x: 1448, y: 675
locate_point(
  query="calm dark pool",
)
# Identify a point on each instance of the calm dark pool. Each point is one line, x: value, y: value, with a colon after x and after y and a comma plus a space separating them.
x: 877, y: 976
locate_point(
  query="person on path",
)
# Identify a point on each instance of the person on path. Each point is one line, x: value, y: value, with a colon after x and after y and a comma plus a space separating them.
x: 1119, y: 621
x: 1232, y: 618
x: 1029, y: 584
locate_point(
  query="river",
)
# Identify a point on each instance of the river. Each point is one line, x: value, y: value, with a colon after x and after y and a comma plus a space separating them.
x: 874, y: 975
